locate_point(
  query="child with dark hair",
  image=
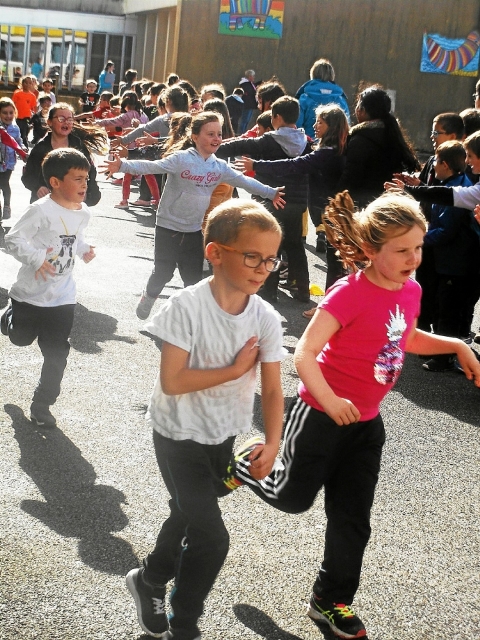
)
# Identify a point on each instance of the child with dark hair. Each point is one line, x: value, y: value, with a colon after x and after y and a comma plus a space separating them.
x: 89, y: 98
x: 40, y: 118
x: 46, y: 240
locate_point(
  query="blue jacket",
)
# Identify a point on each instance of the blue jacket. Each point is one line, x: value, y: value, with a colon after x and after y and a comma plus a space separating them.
x: 8, y: 156
x: 451, y: 235
x: 313, y: 93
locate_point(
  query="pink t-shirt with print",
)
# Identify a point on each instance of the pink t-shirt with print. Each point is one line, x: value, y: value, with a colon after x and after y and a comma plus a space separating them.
x: 362, y: 361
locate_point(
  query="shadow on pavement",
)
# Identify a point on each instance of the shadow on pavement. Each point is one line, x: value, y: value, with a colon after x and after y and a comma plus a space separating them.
x: 74, y: 506
x: 261, y: 624
x: 91, y: 327
x: 450, y: 393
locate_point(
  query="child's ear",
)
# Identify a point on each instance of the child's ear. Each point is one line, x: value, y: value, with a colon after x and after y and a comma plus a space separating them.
x: 53, y: 183
x: 212, y: 253
x: 368, y: 250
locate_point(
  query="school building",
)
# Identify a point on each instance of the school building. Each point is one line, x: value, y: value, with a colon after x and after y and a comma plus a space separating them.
x: 367, y: 41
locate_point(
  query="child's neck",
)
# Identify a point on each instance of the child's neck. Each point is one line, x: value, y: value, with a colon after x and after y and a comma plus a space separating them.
x: 66, y: 204
x: 231, y: 301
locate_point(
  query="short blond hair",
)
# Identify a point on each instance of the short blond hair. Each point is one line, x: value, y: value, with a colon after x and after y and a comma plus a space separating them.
x: 225, y: 221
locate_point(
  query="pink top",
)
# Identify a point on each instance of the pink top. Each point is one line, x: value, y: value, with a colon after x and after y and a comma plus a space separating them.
x: 363, y: 360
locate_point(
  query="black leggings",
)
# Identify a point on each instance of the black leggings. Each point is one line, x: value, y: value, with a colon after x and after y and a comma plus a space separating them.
x: 345, y: 461
x: 5, y: 186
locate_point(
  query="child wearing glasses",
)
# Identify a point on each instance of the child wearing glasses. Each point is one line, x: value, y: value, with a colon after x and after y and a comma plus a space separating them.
x: 193, y: 171
x: 65, y: 132
x: 214, y: 335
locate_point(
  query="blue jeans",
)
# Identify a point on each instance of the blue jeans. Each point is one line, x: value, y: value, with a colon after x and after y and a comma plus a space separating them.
x: 244, y: 120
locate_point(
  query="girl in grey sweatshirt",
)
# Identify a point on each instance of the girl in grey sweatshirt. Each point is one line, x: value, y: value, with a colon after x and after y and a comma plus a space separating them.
x: 192, y: 175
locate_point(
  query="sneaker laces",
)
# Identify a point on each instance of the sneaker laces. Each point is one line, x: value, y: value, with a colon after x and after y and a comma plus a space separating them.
x: 344, y: 610
x: 158, y: 606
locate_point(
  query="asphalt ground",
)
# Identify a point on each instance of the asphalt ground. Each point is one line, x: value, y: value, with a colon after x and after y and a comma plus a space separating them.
x: 82, y: 504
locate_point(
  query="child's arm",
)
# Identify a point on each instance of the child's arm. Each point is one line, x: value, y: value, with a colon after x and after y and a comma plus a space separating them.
x: 263, y: 456
x: 321, y: 328
x: 309, y: 163
x: 432, y: 344
x: 141, y: 167
x: 177, y: 378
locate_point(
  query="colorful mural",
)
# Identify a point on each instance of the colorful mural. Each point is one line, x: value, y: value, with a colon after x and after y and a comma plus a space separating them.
x: 251, y: 18
x: 459, y: 57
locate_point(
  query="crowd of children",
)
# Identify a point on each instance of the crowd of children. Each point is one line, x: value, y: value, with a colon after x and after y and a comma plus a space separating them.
x: 218, y: 330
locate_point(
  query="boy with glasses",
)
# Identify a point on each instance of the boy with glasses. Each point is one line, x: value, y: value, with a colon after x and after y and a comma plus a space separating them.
x: 214, y: 334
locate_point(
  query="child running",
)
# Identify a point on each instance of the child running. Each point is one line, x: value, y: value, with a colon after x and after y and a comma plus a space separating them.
x: 46, y: 239
x: 349, y: 357
x: 8, y: 154
x: 193, y: 173
x: 214, y: 333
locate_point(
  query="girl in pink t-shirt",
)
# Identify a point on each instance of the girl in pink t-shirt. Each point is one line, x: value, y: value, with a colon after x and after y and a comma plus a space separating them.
x: 349, y: 357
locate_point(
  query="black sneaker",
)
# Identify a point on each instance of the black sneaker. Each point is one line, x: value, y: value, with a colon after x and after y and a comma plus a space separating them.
x: 439, y: 365
x: 321, y: 246
x: 3, y: 321
x: 150, y: 603
x: 340, y: 618
x: 40, y: 413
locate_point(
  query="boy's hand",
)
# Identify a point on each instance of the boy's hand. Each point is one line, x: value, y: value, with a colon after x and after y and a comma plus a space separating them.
x: 88, y: 256
x: 243, y: 164
x: 406, y: 178
x: 112, y: 166
x: 476, y: 213
x: 341, y: 410
x: 146, y: 141
x: 246, y: 357
x: 278, y: 201
x: 115, y: 143
x: 43, y: 191
x: 47, y: 269
x: 261, y: 461
x: 395, y: 185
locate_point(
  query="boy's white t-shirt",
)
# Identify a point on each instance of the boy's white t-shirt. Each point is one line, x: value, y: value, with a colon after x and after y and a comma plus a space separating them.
x: 47, y: 225
x: 192, y: 320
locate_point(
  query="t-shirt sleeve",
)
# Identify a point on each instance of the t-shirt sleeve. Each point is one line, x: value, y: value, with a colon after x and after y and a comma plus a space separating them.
x: 172, y: 324
x: 340, y: 301
x: 271, y: 338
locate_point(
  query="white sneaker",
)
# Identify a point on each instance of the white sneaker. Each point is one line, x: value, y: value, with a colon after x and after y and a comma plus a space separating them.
x: 145, y: 305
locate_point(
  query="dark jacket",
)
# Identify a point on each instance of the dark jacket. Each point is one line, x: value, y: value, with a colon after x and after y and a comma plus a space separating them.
x: 324, y: 167
x: 32, y: 173
x: 274, y: 146
x: 451, y: 236
x: 370, y: 162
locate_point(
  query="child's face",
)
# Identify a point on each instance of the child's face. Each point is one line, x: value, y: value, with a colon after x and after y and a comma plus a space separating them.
x: 46, y: 104
x: 71, y: 191
x: 320, y: 127
x: 261, y: 130
x: 442, y: 170
x: 208, y: 139
x: 473, y: 161
x: 104, y: 103
x: 91, y: 87
x: 396, y: 261
x: 439, y: 135
x: 232, y: 270
x: 62, y: 122
x: 27, y: 84
x: 7, y: 115
x: 47, y: 86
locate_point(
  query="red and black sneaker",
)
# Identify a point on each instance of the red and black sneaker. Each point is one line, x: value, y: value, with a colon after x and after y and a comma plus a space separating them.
x: 340, y: 618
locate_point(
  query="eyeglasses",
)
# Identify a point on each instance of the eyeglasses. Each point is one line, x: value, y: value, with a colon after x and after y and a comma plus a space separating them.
x: 63, y: 119
x: 475, y: 96
x: 435, y: 134
x: 254, y: 260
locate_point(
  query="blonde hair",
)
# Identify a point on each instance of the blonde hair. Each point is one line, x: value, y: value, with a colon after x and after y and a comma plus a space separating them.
x: 225, y: 221
x: 349, y: 230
